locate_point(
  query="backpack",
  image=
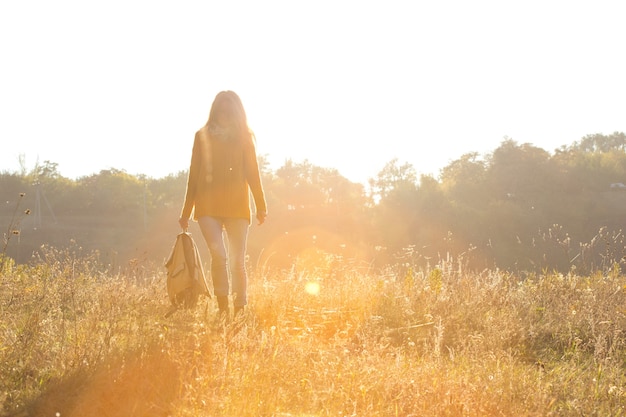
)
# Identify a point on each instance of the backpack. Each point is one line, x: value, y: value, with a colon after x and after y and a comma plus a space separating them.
x: 185, y: 276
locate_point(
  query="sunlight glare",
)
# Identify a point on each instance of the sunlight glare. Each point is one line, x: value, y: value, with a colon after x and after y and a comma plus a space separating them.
x: 312, y: 288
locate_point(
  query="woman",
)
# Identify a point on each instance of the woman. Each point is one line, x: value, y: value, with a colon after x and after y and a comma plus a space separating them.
x: 223, y: 171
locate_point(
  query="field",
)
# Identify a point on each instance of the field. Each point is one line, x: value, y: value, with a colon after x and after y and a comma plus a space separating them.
x: 337, y: 339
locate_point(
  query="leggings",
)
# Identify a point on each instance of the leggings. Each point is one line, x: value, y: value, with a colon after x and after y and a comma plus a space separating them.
x: 219, y: 232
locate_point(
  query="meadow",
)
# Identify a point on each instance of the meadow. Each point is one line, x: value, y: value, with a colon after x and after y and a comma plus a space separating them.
x: 329, y: 339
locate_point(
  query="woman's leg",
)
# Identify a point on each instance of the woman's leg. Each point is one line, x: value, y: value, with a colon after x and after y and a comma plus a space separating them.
x: 212, y: 231
x: 237, y: 232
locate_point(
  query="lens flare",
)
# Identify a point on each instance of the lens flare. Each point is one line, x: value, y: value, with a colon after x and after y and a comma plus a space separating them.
x: 312, y: 288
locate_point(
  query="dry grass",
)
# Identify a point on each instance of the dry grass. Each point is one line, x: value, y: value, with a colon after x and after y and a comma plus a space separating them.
x: 77, y: 340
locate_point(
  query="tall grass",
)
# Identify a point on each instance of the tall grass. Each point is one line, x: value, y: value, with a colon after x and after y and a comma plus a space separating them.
x: 79, y: 340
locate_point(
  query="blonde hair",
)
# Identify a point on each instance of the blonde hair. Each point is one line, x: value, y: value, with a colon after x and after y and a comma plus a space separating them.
x: 229, y: 102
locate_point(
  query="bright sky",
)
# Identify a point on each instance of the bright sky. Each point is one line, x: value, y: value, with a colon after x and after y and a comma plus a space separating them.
x: 349, y: 85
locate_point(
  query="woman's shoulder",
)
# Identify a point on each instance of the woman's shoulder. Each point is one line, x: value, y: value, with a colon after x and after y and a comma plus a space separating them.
x: 203, y: 131
x: 202, y: 135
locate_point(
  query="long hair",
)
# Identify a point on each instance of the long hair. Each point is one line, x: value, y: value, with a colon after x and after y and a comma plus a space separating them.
x: 229, y: 103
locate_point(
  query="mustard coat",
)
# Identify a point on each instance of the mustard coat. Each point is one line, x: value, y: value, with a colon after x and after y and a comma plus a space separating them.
x: 221, y: 176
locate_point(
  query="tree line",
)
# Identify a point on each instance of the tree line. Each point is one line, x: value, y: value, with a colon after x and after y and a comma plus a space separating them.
x: 519, y: 208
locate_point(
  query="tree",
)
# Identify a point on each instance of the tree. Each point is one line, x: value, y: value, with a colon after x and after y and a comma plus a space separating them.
x: 394, y: 213
x: 519, y: 169
x: 464, y: 179
x: 601, y: 143
x: 394, y: 178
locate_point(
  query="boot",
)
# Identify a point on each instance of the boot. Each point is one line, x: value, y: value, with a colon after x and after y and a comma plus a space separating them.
x: 222, y: 306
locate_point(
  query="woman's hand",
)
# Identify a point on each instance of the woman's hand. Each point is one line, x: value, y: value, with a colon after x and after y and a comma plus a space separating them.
x: 260, y: 216
x: 184, y: 223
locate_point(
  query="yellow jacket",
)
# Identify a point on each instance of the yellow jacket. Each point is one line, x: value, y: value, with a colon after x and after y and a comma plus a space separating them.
x: 221, y: 175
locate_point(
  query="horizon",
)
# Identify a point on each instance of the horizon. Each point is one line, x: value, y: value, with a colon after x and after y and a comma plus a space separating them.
x: 273, y: 166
